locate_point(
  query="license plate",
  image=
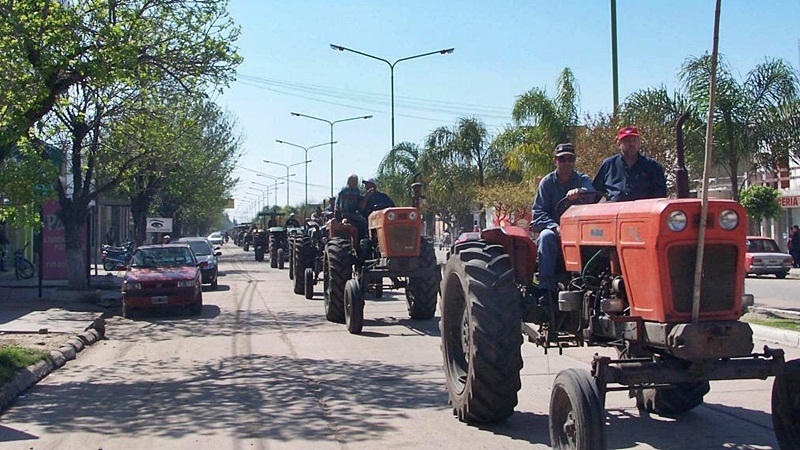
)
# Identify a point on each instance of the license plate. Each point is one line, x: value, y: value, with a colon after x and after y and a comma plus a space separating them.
x: 160, y: 300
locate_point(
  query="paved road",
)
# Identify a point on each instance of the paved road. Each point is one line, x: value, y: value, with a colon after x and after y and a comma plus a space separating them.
x: 771, y: 292
x: 262, y: 369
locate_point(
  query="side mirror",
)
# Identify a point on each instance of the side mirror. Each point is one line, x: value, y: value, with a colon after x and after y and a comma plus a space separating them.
x: 218, y: 254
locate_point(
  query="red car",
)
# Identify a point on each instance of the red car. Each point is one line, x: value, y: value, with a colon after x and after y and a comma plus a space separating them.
x: 764, y: 257
x: 162, y: 276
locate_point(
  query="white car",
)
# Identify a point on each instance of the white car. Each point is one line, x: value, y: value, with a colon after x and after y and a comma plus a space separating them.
x: 215, y: 238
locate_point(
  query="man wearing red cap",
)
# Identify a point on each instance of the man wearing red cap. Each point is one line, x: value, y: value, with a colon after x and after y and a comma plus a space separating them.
x: 630, y: 175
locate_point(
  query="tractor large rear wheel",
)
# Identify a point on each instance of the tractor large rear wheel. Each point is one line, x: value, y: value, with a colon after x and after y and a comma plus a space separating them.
x: 339, y: 261
x: 421, y: 293
x: 786, y: 406
x: 481, y: 334
x: 577, y: 416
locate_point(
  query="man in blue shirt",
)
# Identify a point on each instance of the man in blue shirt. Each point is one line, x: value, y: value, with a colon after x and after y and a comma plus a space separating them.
x: 630, y: 175
x: 563, y: 182
x: 347, y: 203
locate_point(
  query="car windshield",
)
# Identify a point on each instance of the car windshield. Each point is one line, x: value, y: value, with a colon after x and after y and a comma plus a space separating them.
x: 156, y: 257
x: 200, y: 248
x: 762, y: 246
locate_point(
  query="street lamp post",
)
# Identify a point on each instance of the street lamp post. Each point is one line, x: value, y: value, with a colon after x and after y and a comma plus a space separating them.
x: 446, y: 51
x: 287, y: 173
x: 331, y: 123
x: 305, y: 149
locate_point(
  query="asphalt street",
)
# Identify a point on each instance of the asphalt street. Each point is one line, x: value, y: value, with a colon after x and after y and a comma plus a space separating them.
x: 261, y: 368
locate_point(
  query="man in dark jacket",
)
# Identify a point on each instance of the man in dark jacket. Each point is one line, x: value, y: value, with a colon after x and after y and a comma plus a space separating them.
x: 374, y: 200
x: 630, y: 175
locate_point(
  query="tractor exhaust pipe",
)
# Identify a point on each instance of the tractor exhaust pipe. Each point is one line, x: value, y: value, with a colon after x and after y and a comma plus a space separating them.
x: 681, y: 174
x: 417, y: 197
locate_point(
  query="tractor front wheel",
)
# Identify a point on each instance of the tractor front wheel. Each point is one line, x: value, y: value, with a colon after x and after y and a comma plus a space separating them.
x: 280, y: 259
x: 481, y: 333
x: 577, y: 416
x: 422, y: 292
x: 786, y: 406
x: 309, y: 279
x: 353, y: 306
x: 339, y: 264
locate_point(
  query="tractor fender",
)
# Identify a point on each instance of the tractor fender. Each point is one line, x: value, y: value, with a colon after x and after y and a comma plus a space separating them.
x: 520, y: 248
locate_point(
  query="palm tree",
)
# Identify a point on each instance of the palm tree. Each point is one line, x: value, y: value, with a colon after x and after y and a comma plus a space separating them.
x: 455, y: 158
x: 397, y: 170
x: 747, y: 123
x: 540, y: 123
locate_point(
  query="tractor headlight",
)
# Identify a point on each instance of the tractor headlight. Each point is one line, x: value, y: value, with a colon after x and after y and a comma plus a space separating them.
x: 728, y: 219
x: 676, y: 221
x: 413, y: 215
x: 391, y: 215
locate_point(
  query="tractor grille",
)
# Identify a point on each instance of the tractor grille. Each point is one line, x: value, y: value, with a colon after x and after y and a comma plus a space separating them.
x: 719, y: 273
x: 402, y: 239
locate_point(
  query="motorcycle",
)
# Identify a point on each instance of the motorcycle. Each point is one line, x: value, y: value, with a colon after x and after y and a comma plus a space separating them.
x: 114, y: 257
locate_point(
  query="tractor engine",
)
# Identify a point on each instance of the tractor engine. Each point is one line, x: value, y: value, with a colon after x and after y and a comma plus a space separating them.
x: 632, y: 267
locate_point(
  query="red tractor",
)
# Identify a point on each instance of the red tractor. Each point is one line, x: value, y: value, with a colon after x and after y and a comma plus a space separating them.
x: 395, y: 251
x: 627, y: 283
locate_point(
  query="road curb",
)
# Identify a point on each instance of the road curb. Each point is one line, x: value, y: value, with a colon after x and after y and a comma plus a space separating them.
x: 776, y: 335
x: 58, y: 358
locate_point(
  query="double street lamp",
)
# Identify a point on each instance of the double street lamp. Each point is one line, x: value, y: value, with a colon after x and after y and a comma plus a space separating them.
x: 446, y: 51
x: 331, y: 123
x: 305, y: 149
x: 287, y: 173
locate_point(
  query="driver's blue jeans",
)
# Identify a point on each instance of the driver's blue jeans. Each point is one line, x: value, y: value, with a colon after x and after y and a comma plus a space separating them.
x: 548, y: 253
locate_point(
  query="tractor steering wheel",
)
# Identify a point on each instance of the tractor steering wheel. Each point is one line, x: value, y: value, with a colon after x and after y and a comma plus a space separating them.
x: 584, y: 198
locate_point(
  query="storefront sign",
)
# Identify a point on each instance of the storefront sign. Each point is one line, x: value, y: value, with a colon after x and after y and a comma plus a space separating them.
x: 159, y: 225
x: 789, y: 201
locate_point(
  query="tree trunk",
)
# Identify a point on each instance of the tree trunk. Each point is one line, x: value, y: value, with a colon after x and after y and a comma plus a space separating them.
x: 139, y: 206
x: 73, y: 215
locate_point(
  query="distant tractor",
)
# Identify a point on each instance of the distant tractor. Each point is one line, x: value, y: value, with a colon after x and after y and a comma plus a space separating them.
x: 395, y: 250
x: 307, y: 258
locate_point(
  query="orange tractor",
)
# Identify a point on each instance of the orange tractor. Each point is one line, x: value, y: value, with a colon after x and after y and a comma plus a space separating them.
x: 627, y: 283
x: 395, y: 255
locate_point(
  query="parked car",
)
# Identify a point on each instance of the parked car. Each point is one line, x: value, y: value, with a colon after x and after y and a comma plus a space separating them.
x: 764, y: 257
x: 216, y: 238
x: 161, y: 276
x: 204, y: 251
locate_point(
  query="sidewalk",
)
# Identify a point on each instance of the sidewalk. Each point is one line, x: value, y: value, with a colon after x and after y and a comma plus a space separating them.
x: 22, y: 309
x: 74, y: 320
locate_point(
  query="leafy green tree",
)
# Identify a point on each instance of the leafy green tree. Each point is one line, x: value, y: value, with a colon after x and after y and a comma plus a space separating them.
x: 509, y: 200
x: 26, y: 182
x: 49, y: 47
x: 183, y: 45
x: 761, y: 202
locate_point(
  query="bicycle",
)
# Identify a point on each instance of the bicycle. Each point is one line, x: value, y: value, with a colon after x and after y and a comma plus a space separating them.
x: 23, y: 269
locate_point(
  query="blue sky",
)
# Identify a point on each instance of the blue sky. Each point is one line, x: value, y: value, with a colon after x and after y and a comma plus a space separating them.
x: 502, y: 49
